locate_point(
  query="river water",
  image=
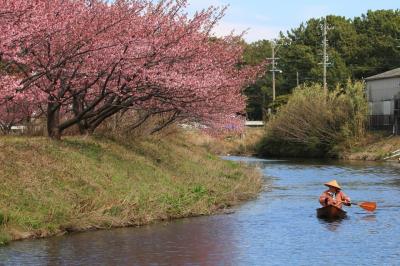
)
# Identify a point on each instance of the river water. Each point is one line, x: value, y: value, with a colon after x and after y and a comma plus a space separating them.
x: 278, y: 228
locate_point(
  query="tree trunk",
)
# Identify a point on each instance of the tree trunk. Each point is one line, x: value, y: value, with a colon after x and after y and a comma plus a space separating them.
x: 77, y: 108
x: 53, y: 120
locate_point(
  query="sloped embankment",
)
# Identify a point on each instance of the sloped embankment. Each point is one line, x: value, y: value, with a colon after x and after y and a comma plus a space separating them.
x: 381, y: 148
x: 50, y: 188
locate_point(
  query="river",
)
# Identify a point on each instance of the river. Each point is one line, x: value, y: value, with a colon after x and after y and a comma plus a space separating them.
x: 278, y: 228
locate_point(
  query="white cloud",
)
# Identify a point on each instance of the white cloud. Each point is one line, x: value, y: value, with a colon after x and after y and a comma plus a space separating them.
x: 253, y: 32
x: 256, y: 28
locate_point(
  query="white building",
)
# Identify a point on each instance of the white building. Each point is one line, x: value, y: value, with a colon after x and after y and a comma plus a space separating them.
x: 383, y: 92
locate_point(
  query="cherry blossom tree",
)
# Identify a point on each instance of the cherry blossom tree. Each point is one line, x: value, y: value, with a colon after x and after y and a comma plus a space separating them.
x: 85, y: 61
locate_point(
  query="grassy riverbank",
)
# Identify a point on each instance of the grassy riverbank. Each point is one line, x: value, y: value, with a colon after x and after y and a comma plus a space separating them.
x: 375, y: 147
x: 49, y: 188
x: 372, y: 147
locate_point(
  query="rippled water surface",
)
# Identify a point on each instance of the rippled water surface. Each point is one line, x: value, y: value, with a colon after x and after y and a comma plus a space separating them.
x: 278, y: 228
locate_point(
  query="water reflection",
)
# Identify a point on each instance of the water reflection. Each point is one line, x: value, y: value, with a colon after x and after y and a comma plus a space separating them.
x: 369, y: 218
x: 184, y: 242
x: 331, y: 225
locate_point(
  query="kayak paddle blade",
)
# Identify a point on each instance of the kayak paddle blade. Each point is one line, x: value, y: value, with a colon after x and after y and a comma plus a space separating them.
x: 369, y: 206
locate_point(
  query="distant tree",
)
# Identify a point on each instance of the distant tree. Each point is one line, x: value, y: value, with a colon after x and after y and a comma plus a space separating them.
x: 258, y: 93
x: 377, y: 42
x: 357, y: 48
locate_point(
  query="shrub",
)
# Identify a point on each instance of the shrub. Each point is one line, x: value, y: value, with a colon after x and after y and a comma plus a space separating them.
x: 314, y: 123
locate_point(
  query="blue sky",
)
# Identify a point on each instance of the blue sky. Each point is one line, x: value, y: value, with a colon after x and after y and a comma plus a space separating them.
x: 265, y: 19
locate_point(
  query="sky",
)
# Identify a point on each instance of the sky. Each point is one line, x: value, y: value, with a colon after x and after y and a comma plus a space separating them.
x: 264, y: 19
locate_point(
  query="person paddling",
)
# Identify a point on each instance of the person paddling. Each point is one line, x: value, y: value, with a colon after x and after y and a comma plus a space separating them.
x: 334, y: 195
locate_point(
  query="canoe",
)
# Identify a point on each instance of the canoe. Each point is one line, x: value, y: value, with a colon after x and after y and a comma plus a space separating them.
x: 331, y: 212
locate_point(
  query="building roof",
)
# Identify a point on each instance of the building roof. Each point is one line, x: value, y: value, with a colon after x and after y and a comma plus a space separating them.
x: 394, y: 73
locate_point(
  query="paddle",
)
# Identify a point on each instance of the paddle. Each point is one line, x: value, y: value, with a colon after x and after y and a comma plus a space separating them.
x: 366, y: 205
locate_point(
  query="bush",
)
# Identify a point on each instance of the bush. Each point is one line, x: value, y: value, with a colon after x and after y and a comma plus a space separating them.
x: 314, y: 123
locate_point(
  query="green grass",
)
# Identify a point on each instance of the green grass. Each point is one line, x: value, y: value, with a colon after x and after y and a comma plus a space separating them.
x: 4, y: 238
x: 50, y: 187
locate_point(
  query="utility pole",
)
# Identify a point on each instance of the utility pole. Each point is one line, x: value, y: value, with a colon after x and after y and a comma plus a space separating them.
x: 297, y: 78
x: 325, y: 59
x: 273, y: 70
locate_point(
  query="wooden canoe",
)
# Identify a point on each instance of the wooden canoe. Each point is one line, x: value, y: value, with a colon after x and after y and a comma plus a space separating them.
x: 331, y: 212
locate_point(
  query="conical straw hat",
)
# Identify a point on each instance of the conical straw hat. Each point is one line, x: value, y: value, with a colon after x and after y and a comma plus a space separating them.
x: 333, y: 183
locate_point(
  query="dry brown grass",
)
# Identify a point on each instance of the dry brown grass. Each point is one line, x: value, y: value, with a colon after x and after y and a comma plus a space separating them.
x: 374, y: 147
x: 244, y: 144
